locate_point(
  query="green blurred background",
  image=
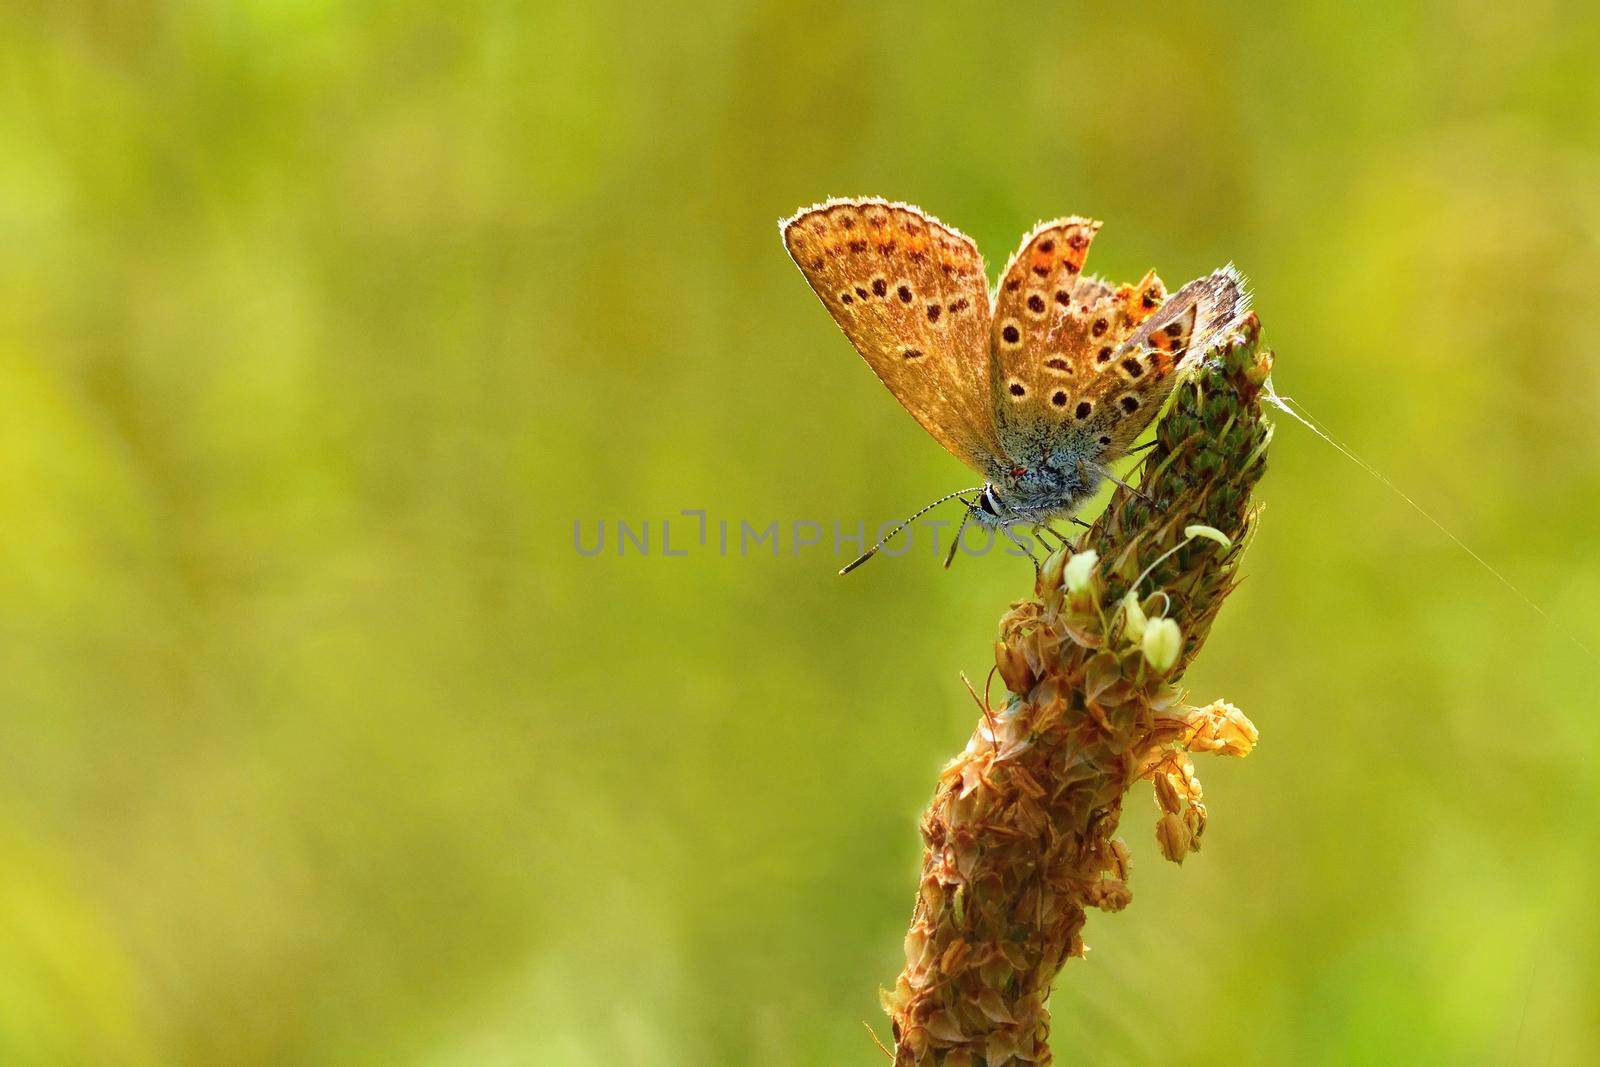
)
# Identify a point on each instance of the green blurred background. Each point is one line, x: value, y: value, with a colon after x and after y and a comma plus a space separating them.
x: 320, y: 326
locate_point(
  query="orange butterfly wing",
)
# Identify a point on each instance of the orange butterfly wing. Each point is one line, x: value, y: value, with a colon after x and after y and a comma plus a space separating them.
x: 910, y: 294
x: 1079, y: 367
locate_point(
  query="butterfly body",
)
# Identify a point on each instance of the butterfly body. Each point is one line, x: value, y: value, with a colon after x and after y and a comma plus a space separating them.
x: 1033, y: 496
x: 1038, y: 385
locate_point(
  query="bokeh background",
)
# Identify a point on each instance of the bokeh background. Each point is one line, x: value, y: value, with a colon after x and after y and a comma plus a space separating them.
x: 321, y: 326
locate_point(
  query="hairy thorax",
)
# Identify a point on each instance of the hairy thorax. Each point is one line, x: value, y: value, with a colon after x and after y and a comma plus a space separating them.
x: 1027, y: 497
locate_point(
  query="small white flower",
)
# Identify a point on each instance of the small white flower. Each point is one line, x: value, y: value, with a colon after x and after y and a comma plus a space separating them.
x: 1210, y: 533
x: 1162, y: 643
x: 1079, y: 569
x: 1133, y: 617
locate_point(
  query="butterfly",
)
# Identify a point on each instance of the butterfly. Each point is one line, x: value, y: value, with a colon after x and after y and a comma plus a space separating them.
x: 1040, y: 385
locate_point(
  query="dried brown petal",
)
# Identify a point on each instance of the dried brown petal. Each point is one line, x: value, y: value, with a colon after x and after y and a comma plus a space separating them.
x: 1167, y: 793
x: 1173, y: 837
x: 994, y: 1007
x: 1014, y: 671
x: 1001, y: 1046
x: 942, y: 1026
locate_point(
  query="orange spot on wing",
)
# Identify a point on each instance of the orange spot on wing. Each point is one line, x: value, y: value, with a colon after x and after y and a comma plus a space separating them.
x: 1131, y: 298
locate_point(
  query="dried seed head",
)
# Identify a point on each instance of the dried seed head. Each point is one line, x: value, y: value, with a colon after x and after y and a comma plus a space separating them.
x: 1162, y: 642
x: 1096, y: 705
x: 1110, y: 894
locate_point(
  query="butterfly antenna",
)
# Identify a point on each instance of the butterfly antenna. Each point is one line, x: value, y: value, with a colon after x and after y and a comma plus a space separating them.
x: 886, y: 538
x: 956, y: 543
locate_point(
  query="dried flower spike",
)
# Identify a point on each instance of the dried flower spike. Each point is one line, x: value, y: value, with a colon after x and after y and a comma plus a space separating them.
x: 1020, y: 840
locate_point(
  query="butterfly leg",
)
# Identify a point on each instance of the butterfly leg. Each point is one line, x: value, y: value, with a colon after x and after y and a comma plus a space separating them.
x: 1065, y: 539
x: 1114, y: 480
x: 1022, y: 545
x: 1045, y: 528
